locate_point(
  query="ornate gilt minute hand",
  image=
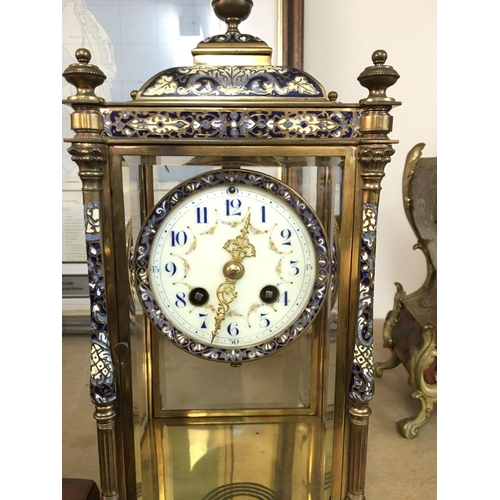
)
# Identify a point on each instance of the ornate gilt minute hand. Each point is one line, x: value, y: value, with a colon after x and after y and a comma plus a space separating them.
x: 239, y: 248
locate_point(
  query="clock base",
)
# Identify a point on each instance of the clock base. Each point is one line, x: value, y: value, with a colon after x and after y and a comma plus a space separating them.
x: 274, y: 460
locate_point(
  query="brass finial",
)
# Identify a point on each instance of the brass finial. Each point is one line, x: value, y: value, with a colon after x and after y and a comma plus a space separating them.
x: 232, y: 48
x: 232, y: 12
x: 83, y: 56
x: 85, y: 77
x: 333, y: 96
x: 378, y: 78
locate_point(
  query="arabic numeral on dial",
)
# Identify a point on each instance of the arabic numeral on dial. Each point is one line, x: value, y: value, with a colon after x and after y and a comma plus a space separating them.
x: 286, y: 234
x: 233, y: 329
x: 204, y: 322
x: 264, y: 322
x: 294, y: 270
x: 233, y: 207
x: 284, y: 299
x: 155, y: 269
x: 234, y: 341
x: 170, y: 268
x: 178, y: 238
x: 201, y: 215
x: 263, y: 213
x: 181, y: 300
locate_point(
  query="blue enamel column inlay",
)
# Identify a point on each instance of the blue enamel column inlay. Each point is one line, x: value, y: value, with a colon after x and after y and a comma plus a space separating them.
x: 102, y: 383
x: 362, y: 374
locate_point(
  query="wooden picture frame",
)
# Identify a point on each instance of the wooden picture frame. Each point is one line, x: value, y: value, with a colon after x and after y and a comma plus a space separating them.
x: 292, y: 23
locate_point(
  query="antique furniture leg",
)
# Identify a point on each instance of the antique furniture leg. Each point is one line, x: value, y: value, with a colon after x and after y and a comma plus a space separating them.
x: 90, y: 156
x: 420, y: 360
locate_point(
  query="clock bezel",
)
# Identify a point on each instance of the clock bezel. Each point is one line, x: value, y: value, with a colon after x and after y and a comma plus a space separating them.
x: 325, y: 257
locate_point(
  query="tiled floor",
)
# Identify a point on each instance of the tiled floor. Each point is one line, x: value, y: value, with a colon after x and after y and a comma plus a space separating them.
x: 397, y: 469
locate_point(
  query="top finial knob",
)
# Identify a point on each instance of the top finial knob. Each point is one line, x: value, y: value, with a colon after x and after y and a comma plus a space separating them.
x: 379, y: 57
x: 83, y: 56
x: 233, y: 12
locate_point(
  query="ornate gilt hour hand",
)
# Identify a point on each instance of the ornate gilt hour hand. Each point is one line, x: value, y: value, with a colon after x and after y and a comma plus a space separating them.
x: 239, y: 248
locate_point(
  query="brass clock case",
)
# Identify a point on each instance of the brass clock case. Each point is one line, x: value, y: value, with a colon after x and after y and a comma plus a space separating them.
x: 232, y: 108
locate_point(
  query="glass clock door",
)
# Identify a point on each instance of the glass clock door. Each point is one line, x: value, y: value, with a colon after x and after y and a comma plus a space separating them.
x: 202, y: 428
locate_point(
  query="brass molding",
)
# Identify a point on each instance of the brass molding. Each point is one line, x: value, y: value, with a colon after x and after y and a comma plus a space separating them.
x: 87, y: 121
x: 373, y: 159
x: 105, y: 418
x: 375, y: 123
x: 90, y: 159
x: 87, y: 153
x: 359, y: 417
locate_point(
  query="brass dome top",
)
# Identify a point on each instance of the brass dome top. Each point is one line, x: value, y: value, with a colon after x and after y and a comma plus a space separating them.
x: 231, y: 65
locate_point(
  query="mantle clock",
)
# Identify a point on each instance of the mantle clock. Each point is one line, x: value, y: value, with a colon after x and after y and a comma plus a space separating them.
x: 230, y: 215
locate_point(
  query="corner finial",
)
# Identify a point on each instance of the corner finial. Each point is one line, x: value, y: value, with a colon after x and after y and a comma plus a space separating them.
x: 232, y: 12
x: 85, y: 77
x: 378, y: 78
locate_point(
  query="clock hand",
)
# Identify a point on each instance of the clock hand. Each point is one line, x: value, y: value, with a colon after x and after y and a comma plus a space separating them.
x: 239, y: 248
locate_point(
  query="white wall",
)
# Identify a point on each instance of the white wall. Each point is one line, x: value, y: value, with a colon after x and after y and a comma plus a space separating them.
x: 339, y: 39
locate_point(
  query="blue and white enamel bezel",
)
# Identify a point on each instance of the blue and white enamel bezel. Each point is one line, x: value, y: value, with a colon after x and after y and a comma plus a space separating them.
x: 179, y: 258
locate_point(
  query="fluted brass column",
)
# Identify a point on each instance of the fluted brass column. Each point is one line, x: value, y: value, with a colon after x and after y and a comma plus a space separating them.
x: 373, y: 155
x: 89, y: 153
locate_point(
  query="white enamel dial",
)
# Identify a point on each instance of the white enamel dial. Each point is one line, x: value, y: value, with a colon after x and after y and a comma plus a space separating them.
x: 231, y: 266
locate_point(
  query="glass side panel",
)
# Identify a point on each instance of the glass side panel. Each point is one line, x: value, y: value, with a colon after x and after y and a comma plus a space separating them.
x: 138, y: 325
x: 336, y: 221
